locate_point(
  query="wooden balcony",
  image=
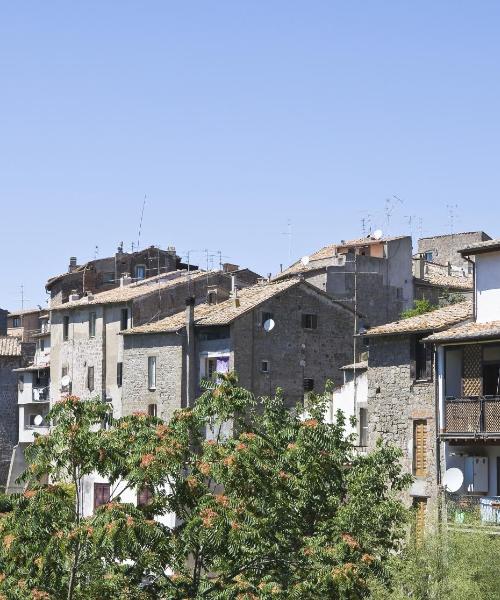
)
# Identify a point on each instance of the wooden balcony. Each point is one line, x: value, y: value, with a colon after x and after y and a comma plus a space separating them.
x: 473, y: 416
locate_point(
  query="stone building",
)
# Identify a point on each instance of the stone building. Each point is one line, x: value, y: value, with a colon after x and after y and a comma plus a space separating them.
x: 3, y: 321
x: 402, y: 393
x: 33, y: 401
x: 25, y: 324
x: 104, y: 274
x: 13, y: 354
x: 377, y: 271
x: 469, y: 391
x: 444, y: 250
x: 284, y: 334
x: 86, y: 357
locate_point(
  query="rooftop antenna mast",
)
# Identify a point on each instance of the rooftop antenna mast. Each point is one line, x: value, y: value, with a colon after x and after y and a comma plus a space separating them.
x: 140, y: 223
x: 452, y: 215
x: 22, y: 296
x: 288, y: 232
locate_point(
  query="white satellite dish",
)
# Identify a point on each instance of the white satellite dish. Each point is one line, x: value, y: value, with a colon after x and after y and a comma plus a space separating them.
x: 65, y: 381
x: 453, y: 480
x: 377, y: 234
x: 38, y: 420
x: 305, y: 261
x: 269, y: 325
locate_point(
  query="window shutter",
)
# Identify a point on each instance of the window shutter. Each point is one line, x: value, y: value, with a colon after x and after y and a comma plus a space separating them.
x: 420, y: 448
x: 413, y: 366
x: 420, y: 505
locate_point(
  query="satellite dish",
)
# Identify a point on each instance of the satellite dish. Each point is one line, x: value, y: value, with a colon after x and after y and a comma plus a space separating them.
x: 453, y: 480
x: 377, y: 234
x: 65, y: 381
x: 38, y: 420
x: 269, y: 325
x: 305, y: 261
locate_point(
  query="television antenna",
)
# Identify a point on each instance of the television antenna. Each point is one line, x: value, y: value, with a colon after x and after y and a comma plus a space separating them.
x: 288, y: 232
x: 140, y: 224
x: 452, y: 216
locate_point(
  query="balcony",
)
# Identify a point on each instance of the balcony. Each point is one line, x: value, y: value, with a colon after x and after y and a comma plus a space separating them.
x: 473, y: 416
x: 472, y: 513
x: 41, y: 394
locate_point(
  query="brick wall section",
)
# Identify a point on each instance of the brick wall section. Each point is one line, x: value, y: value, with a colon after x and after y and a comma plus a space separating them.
x: 8, y: 413
x: 395, y: 401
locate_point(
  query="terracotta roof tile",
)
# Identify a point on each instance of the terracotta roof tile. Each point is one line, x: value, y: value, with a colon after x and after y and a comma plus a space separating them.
x: 447, y: 281
x: 480, y: 247
x: 434, y: 320
x: 10, y: 346
x: 468, y: 331
x: 134, y: 290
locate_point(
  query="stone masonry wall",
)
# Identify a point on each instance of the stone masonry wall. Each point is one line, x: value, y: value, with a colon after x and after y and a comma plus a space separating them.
x: 8, y: 414
x: 445, y: 247
x: 395, y: 401
x: 169, y: 363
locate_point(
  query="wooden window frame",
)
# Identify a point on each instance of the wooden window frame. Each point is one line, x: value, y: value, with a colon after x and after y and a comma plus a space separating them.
x: 420, y: 461
x: 309, y: 321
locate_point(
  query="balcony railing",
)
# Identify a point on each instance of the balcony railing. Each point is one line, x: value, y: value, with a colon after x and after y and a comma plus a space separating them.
x: 473, y: 415
x: 472, y: 511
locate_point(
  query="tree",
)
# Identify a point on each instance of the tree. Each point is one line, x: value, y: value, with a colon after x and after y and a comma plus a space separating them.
x: 283, y: 507
x: 420, y: 307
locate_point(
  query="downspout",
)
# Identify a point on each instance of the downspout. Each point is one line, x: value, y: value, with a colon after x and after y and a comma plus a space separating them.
x: 190, y: 366
x: 474, y: 302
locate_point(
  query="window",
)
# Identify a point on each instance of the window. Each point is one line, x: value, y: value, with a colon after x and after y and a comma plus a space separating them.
x: 20, y: 383
x: 108, y: 277
x: 65, y: 328
x: 144, y: 496
x: 421, y: 362
x: 264, y: 366
x: 119, y: 374
x: 152, y: 410
x: 309, y: 321
x: 363, y: 427
x: 470, y: 268
x: 102, y: 494
x: 152, y: 372
x: 140, y: 271
x: 219, y: 364
x: 308, y: 384
x: 212, y: 297
x: 92, y: 320
x: 42, y: 345
x: 265, y: 316
x: 16, y: 322
x: 420, y: 448
x: 90, y: 379
x: 124, y: 319
x: 428, y: 256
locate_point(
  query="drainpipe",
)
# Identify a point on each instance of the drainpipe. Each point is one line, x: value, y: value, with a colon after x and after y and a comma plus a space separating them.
x: 190, y: 360
x: 474, y: 303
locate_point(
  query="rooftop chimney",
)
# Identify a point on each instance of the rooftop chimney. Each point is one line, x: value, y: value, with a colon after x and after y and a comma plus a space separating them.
x: 229, y: 267
x: 72, y: 264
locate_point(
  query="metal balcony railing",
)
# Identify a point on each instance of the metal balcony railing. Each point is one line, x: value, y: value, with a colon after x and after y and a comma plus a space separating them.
x: 473, y: 415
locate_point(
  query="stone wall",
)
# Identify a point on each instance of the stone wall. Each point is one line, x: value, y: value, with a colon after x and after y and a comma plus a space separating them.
x: 445, y: 248
x: 9, y: 426
x: 395, y: 401
x: 168, y: 349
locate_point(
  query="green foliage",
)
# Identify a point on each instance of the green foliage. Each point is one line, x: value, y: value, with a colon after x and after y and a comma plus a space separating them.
x: 282, y: 508
x: 420, y: 307
x: 460, y: 566
x: 447, y: 297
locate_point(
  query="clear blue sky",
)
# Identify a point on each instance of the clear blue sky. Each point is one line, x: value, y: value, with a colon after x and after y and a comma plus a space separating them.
x: 233, y: 117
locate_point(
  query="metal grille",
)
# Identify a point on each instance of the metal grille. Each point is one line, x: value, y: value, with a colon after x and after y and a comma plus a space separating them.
x: 492, y: 415
x: 472, y: 370
x: 463, y: 416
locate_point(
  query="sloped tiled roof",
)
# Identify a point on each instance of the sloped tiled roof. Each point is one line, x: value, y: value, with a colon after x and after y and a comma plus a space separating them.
x: 434, y: 320
x: 134, y: 290
x: 25, y: 311
x: 468, y: 331
x: 226, y: 312
x: 10, y: 346
x: 447, y: 281
x: 480, y: 247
